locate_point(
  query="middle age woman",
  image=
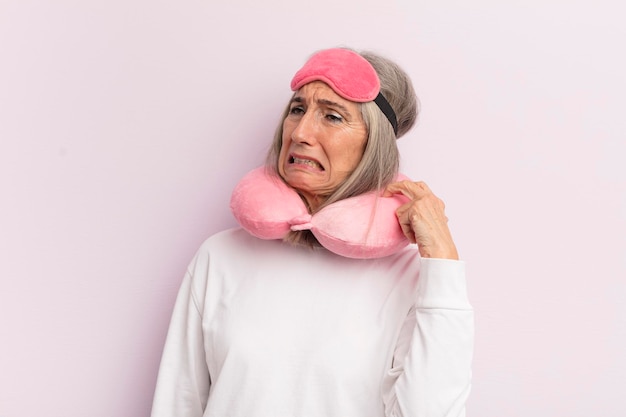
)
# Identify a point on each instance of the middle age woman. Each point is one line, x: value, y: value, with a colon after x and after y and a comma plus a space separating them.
x: 342, y: 293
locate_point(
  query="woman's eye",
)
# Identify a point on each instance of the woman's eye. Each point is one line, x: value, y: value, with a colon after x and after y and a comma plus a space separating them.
x: 297, y: 110
x: 335, y: 118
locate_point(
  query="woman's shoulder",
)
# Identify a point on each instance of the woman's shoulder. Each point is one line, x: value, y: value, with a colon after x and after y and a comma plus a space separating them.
x: 236, y: 247
x: 226, y: 236
x: 235, y: 239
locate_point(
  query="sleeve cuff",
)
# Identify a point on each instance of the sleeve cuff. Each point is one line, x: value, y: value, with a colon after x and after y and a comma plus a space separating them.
x: 442, y: 285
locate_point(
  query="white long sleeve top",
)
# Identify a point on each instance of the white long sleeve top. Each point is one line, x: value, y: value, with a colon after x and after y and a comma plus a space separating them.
x: 264, y: 329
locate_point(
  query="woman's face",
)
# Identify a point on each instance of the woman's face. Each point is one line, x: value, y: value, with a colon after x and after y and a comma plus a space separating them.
x: 324, y: 137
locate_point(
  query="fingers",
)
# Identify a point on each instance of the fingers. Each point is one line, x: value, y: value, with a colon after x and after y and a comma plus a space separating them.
x: 423, y: 219
x: 416, y: 192
x: 410, y: 189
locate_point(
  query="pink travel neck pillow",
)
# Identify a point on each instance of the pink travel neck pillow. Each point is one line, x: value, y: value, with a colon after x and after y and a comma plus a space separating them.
x: 362, y: 227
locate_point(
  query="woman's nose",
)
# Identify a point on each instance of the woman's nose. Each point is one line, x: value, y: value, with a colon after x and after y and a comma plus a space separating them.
x: 306, y: 129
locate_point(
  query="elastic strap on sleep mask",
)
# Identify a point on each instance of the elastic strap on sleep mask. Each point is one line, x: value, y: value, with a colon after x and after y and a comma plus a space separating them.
x: 349, y: 75
x: 387, y: 110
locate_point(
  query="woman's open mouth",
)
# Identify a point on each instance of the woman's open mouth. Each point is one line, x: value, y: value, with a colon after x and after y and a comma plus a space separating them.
x: 303, y: 161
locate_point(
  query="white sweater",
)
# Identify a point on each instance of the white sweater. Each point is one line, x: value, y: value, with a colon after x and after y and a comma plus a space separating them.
x: 264, y: 329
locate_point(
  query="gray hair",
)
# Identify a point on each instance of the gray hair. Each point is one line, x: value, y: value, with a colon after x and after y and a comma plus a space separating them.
x: 380, y: 161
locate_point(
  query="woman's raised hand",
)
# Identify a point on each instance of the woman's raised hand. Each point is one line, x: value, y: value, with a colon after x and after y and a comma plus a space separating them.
x: 423, y: 220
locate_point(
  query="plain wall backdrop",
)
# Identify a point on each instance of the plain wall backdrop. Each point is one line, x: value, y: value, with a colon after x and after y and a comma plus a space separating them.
x: 125, y: 124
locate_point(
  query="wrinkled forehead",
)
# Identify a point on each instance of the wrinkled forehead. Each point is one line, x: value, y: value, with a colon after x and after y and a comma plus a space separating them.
x: 349, y: 74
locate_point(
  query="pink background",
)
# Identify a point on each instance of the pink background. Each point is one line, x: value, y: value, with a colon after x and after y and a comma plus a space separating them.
x: 124, y: 125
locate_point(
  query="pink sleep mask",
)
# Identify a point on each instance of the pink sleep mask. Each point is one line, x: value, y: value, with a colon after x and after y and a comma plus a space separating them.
x: 363, y: 227
x: 346, y: 72
x: 349, y: 75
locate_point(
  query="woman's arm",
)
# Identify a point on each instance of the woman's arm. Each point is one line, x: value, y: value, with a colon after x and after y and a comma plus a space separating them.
x: 431, y: 371
x: 183, y: 384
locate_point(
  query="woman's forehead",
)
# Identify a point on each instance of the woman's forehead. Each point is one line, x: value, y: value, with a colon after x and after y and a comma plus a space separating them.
x: 320, y: 91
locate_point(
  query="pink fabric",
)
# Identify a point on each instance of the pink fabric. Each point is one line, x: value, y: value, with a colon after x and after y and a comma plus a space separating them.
x: 345, y: 71
x: 363, y: 227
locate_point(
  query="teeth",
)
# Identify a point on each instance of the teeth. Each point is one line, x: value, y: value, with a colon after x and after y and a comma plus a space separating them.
x: 306, y: 162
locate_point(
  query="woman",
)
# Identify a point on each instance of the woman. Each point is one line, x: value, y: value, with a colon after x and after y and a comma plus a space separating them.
x: 317, y: 324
